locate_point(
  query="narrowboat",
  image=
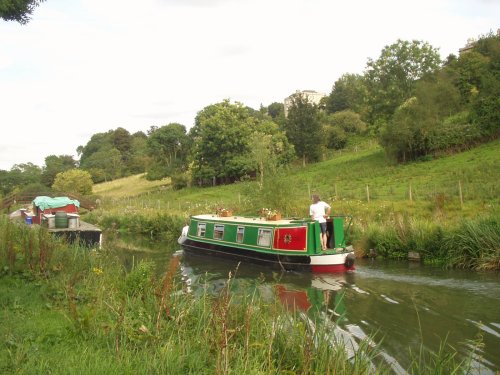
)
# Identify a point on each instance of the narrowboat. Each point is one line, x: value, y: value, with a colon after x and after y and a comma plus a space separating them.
x: 289, y: 244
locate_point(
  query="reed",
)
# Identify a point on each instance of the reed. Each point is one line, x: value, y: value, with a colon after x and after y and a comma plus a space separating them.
x: 474, y: 244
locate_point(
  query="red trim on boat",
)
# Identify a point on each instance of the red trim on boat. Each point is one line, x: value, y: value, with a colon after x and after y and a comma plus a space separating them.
x: 330, y: 268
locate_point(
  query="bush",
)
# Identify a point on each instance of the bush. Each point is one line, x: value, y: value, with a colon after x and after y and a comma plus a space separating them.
x: 180, y: 180
x: 336, y: 138
x: 74, y: 181
x: 349, y: 121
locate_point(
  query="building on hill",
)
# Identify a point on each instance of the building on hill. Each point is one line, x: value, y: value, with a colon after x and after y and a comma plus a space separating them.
x: 471, y: 42
x: 312, y: 96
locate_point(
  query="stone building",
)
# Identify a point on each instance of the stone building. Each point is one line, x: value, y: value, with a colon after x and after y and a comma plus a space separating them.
x: 312, y: 96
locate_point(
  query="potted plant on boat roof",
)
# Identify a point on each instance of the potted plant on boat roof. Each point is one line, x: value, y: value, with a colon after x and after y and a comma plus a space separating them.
x: 271, y: 214
x: 224, y: 212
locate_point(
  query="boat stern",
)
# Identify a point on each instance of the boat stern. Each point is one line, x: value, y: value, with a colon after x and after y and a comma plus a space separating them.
x: 327, y: 263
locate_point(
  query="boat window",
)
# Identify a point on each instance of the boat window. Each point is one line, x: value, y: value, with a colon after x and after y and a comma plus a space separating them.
x: 239, y: 234
x: 264, y: 237
x: 202, y: 229
x: 218, y: 231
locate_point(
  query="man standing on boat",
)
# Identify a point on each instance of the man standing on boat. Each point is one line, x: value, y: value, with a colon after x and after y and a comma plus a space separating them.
x: 320, y: 211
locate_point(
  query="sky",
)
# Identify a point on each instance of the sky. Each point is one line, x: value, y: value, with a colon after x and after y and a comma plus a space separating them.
x: 82, y: 67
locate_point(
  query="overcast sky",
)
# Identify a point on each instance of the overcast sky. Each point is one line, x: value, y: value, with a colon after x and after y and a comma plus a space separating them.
x: 82, y: 67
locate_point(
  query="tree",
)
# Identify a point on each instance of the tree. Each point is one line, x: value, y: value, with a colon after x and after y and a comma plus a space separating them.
x: 269, y: 149
x: 338, y: 125
x: 139, y: 159
x: 169, y: 147
x: 348, y: 92
x: 106, y: 162
x: 54, y: 165
x: 418, y: 126
x: 391, y: 78
x: 277, y: 112
x: 74, y: 181
x: 18, y: 10
x: 220, y: 137
x: 485, y: 107
x: 303, y: 128
x: 20, y: 175
x: 114, y: 141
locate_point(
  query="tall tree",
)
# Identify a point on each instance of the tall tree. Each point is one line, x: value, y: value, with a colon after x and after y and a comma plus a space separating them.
x: 349, y: 92
x: 418, y: 125
x: 303, y: 128
x: 54, y: 165
x: 18, y: 10
x: 391, y: 78
x: 220, y: 135
x: 169, y: 147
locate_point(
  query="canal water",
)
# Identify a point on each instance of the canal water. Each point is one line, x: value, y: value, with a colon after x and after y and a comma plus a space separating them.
x: 398, y: 304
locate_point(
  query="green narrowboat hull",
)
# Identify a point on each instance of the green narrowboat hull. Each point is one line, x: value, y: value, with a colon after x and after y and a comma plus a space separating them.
x: 288, y: 244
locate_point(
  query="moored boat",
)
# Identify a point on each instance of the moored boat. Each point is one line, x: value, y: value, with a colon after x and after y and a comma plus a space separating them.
x: 289, y: 244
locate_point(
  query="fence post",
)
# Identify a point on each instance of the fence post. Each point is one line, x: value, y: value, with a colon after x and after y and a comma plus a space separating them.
x: 460, y: 194
x: 367, y: 193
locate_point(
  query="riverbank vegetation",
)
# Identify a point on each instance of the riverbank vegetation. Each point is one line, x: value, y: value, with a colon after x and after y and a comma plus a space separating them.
x: 70, y: 309
x: 423, y: 207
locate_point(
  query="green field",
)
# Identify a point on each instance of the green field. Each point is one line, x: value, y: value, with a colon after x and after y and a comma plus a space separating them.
x: 359, y: 182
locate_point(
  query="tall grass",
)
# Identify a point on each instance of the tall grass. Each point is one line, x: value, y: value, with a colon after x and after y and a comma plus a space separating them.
x: 90, y: 316
x: 86, y: 315
x: 473, y: 244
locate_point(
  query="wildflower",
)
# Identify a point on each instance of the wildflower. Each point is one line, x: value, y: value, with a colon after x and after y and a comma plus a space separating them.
x: 98, y: 271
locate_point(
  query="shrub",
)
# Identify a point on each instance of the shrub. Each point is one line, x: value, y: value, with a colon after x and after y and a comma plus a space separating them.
x: 180, y: 180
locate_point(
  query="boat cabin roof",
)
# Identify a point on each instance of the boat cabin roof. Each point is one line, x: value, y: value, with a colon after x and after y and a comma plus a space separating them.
x: 249, y: 220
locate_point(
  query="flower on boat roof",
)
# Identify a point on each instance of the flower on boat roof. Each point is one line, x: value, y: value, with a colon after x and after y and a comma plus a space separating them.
x: 221, y: 210
x: 268, y: 212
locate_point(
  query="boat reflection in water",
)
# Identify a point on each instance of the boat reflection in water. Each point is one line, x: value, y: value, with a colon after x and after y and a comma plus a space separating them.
x: 312, y: 297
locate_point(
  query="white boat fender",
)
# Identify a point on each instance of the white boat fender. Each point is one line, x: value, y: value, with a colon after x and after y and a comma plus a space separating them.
x: 349, y: 260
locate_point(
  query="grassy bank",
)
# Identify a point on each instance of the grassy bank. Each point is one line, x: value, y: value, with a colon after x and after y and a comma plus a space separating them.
x: 71, y: 310
x: 447, y: 189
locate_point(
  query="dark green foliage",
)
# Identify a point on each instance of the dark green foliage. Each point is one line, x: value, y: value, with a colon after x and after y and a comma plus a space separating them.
x: 450, y: 110
x: 391, y: 78
x: 225, y: 139
x: 339, y: 125
x: 180, y: 181
x: 303, y: 128
x: 18, y: 10
x: 335, y: 137
x: 349, y: 93
x: 169, y: 147
x: 20, y: 175
x: 220, y: 137
x: 276, y: 110
x: 54, y: 165
x: 114, y: 154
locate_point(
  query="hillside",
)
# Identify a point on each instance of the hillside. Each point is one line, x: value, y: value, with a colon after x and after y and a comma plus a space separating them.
x: 358, y: 181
